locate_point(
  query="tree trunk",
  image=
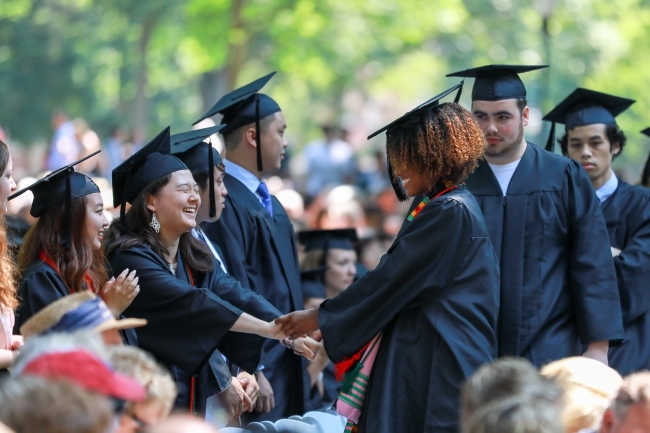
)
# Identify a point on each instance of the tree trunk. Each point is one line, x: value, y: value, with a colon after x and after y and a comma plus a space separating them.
x: 141, y: 102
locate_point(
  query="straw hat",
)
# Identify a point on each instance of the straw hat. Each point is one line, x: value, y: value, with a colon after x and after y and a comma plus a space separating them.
x: 81, y: 310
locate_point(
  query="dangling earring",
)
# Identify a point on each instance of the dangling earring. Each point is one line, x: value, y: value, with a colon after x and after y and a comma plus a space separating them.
x: 155, y: 224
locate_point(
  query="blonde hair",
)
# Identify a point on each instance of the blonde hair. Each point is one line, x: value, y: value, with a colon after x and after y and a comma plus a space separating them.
x: 144, y: 369
x: 587, y: 386
x: 634, y: 390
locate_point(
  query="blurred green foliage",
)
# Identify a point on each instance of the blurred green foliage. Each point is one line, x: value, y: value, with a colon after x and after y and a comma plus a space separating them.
x: 146, y: 64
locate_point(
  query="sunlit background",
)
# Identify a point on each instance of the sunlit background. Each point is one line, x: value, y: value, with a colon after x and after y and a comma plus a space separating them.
x: 141, y: 65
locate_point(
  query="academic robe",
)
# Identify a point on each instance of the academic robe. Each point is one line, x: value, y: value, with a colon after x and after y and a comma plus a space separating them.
x: 261, y: 253
x: 558, y: 284
x: 627, y: 215
x: 435, y: 295
x: 39, y: 286
x: 186, y: 324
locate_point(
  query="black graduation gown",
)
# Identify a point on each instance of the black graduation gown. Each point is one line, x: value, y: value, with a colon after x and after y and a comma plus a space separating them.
x: 435, y: 293
x: 261, y: 253
x: 558, y: 284
x: 39, y: 286
x: 627, y: 215
x: 186, y: 324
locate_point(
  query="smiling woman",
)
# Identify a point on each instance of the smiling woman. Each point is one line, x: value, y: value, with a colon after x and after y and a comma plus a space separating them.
x: 185, y: 297
x: 62, y: 252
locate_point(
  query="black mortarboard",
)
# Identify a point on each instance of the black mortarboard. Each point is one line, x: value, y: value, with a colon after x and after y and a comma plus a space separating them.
x: 312, y: 283
x: 326, y: 239
x: 191, y: 148
x: 57, y: 188
x: 645, y: 176
x: 151, y: 162
x: 585, y: 107
x: 410, y: 119
x: 244, y: 106
x: 497, y: 82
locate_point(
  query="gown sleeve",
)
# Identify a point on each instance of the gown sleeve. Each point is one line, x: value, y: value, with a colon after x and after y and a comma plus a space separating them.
x: 592, y: 277
x: 633, y: 264
x: 36, y: 291
x: 242, y: 349
x: 416, y: 270
x: 186, y: 324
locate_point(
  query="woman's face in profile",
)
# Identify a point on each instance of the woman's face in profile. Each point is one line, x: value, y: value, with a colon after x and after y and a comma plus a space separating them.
x: 415, y: 183
x: 341, y: 270
x: 96, y: 221
x: 176, y: 204
x: 7, y: 186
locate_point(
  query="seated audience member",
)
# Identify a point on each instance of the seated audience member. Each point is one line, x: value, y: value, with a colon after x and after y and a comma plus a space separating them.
x: 80, y: 358
x: 9, y: 343
x: 587, y: 387
x: 516, y: 415
x: 79, y: 311
x: 504, y: 378
x: 629, y: 411
x: 327, y: 269
x: 33, y: 404
x: 154, y: 378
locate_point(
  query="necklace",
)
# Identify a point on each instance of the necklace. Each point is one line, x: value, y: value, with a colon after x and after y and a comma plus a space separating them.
x: 428, y: 198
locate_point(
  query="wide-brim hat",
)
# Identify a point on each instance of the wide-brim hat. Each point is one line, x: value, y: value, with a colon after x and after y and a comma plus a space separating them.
x: 83, y: 310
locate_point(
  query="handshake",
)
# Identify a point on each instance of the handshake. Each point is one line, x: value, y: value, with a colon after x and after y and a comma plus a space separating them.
x: 292, y: 329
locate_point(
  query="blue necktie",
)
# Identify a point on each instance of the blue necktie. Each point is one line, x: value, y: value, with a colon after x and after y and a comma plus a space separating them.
x: 263, y: 191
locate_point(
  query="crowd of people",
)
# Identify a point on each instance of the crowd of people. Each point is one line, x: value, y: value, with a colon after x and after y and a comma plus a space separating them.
x: 510, y: 297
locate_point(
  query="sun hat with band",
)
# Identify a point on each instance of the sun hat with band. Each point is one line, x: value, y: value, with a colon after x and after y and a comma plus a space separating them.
x: 79, y: 311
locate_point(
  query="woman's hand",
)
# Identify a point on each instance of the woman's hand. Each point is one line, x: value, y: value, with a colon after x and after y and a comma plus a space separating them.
x: 118, y: 293
x: 299, y: 323
x: 250, y: 385
x: 306, y: 347
x: 17, y: 342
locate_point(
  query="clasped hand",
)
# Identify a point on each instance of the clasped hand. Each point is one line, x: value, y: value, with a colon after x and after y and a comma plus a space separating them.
x: 301, y: 344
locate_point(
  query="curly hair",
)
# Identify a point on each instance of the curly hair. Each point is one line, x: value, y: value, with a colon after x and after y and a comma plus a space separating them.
x: 445, y: 145
x: 614, y: 135
x: 7, y: 268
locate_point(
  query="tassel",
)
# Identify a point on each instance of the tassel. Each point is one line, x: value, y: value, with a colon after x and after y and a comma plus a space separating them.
x: 460, y: 92
x: 348, y: 378
x: 340, y: 368
x: 550, y: 143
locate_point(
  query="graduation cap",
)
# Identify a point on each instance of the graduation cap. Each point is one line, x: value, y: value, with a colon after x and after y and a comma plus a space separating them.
x: 191, y: 148
x: 151, y: 162
x: 326, y: 239
x: 244, y: 106
x: 585, y: 107
x: 497, y: 82
x: 312, y: 283
x: 57, y: 188
x: 408, y: 120
x: 645, y: 176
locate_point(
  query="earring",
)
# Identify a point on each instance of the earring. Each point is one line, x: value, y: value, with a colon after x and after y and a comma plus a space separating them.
x: 155, y: 224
